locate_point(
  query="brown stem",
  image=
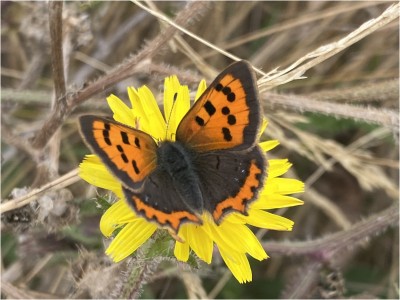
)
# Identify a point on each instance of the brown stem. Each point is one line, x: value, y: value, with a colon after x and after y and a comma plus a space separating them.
x: 128, y: 68
x: 57, y: 61
x: 329, y: 246
x: 372, y: 92
x: 383, y: 117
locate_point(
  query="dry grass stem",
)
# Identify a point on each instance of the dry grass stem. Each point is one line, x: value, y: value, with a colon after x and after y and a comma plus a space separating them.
x: 382, y: 92
x: 178, y: 43
x: 296, y: 70
x: 328, y: 207
x: 383, y: 117
x: 359, y: 143
x: 128, y: 68
x: 284, y: 26
x: 15, y: 292
x: 338, y: 126
x: 220, y: 285
x: 57, y: 57
x: 193, y: 285
x: 327, y: 247
x: 315, y: 148
x: 59, y: 183
x: 192, y: 35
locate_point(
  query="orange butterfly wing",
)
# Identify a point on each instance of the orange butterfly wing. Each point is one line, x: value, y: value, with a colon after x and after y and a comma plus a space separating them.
x: 227, y: 115
x: 223, y: 126
x: 128, y: 153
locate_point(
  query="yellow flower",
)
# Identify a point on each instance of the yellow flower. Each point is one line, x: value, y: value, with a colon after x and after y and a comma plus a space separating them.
x: 232, y: 237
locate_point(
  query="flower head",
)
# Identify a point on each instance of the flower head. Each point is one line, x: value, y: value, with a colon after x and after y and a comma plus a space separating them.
x: 233, y: 237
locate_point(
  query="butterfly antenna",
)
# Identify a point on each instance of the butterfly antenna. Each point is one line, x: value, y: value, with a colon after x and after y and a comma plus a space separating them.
x: 170, y: 114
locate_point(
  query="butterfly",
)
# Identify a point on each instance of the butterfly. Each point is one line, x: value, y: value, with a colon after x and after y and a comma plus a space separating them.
x: 214, y: 165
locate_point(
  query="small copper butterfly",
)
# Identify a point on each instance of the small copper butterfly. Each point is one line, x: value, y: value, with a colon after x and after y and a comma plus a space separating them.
x: 214, y: 165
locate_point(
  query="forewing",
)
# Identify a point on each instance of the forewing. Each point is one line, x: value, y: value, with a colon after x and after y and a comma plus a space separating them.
x: 230, y: 180
x: 128, y: 153
x: 227, y: 115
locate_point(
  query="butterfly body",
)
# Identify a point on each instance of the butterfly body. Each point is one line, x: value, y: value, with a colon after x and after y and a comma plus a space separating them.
x: 214, y: 165
x: 175, y: 160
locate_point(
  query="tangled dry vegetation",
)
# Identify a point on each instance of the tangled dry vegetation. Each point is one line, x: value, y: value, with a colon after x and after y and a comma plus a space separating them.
x: 328, y: 77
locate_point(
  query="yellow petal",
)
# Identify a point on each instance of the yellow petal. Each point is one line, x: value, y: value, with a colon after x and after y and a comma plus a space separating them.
x: 181, y: 106
x: 176, y: 104
x: 263, y: 219
x: 200, y: 89
x: 131, y: 237
x: 137, y: 108
x: 122, y: 113
x: 199, y: 241
x: 93, y: 171
x: 171, y: 89
x: 234, y: 219
x: 116, y: 215
x: 155, y: 121
x: 282, y: 186
x: 181, y: 250
x: 275, y: 201
x: 264, y: 125
x: 238, y: 264
x: 269, y: 145
x: 236, y: 237
x: 278, y: 167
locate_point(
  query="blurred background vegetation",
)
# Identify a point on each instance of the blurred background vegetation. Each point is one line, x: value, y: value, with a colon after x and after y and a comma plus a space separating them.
x: 52, y: 247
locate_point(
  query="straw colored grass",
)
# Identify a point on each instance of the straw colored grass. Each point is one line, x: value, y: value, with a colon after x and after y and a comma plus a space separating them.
x: 328, y: 81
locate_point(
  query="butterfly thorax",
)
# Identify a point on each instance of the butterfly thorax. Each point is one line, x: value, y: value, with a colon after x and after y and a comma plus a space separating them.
x: 176, y: 160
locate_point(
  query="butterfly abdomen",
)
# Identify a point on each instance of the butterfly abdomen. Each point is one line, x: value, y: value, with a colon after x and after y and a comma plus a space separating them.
x: 177, y: 161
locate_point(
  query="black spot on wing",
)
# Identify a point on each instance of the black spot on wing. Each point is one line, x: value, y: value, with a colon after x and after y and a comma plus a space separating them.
x: 135, y: 167
x: 225, y: 110
x: 124, y: 158
x: 231, y: 120
x: 231, y: 97
x: 218, y: 87
x: 125, y: 138
x: 227, y: 134
x: 209, y: 107
x: 137, y: 142
x: 106, y: 136
x: 226, y: 90
x: 199, y: 121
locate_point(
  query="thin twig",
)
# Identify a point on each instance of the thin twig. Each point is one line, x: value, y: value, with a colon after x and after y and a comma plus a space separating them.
x: 192, y: 35
x: 328, y: 207
x: 60, y: 107
x: 61, y: 182
x: 193, y: 285
x: 36, y: 66
x: 20, y: 143
x: 284, y: 26
x: 16, y: 292
x: 128, y: 68
x: 220, y: 284
x: 383, y: 117
x: 327, y: 247
x: 57, y: 58
x: 372, y: 92
x: 105, y: 48
x: 298, y: 68
x: 361, y: 142
x: 304, y: 283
